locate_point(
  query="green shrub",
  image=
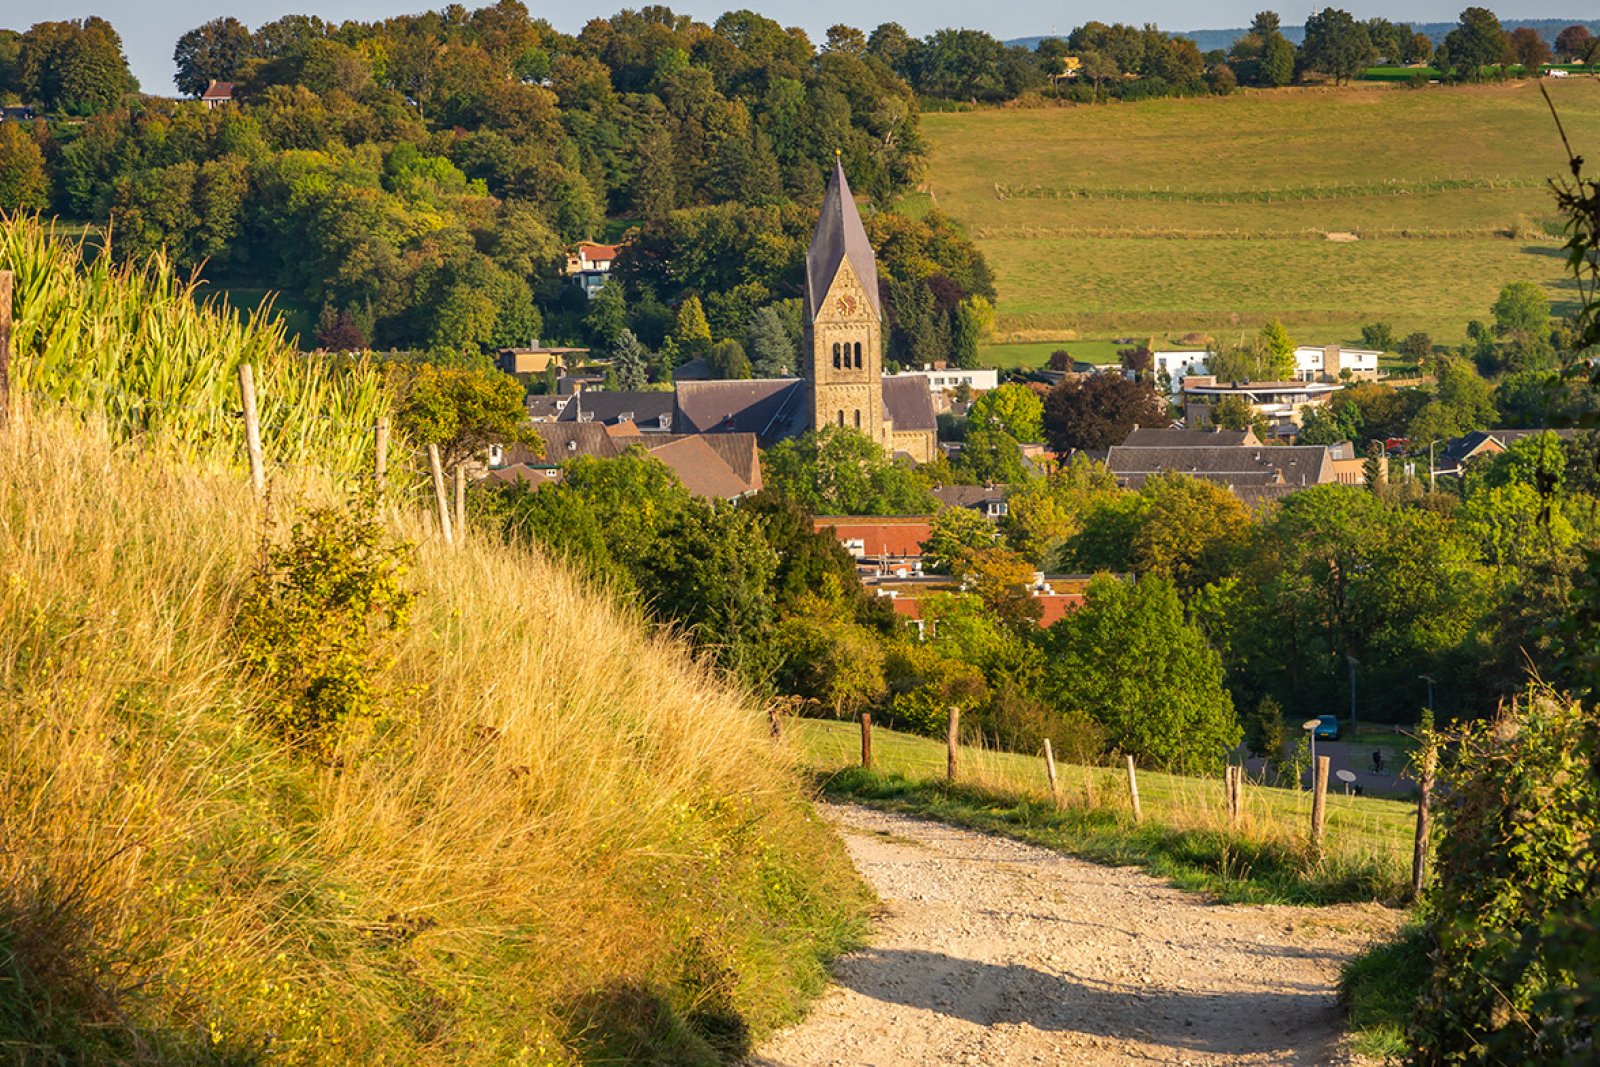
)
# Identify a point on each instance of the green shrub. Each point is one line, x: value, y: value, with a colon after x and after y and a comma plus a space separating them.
x: 1515, y: 903
x: 311, y: 622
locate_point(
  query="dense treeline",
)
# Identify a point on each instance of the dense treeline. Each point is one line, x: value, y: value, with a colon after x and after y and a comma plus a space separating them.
x: 415, y: 182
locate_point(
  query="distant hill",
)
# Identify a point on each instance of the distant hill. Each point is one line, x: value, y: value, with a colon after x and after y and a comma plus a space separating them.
x: 1206, y: 40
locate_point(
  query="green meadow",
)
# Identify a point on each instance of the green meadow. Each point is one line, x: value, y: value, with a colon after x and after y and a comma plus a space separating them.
x: 1328, y: 208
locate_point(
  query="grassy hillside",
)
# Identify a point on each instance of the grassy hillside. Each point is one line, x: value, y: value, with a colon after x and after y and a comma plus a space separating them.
x: 554, y: 840
x: 1210, y: 214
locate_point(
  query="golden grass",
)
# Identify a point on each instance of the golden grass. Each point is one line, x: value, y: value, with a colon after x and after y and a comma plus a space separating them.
x: 565, y: 840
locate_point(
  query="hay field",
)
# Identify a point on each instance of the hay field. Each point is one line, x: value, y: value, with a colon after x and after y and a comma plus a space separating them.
x: 1210, y: 215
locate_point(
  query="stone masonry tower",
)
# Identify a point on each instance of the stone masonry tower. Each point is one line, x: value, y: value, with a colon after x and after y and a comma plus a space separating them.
x: 844, y: 322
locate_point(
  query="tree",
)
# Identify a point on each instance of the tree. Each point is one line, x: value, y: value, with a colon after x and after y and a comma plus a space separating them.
x: 213, y: 51
x: 76, y: 67
x: 1418, y: 347
x: 835, y: 662
x: 1098, y: 411
x: 607, y: 315
x: 727, y: 360
x: 1132, y: 661
x: 1277, y: 61
x: 1378, y: 335
x: 1574, y: 43
x: 1528, y: 50
x: 1279, y: 352
x: 1263, y: 729
x: 768, y: 343
x: 1044, y: 513
x: 1003, y: 581
x: 953, y: 535
x: 462, y: 410
x: 990, y: 455
x: 1012, y: 407
x: 631, y: 359
x: 24, y: 183
x: 1189, y: 530
x: 1522, y: 312
x: 692, y: 332
x: 838, y: 471
x: 1478, y: 41
x: 1336, y: 45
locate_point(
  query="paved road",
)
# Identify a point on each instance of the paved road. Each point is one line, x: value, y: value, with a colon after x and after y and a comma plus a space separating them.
x: 1347, y: 755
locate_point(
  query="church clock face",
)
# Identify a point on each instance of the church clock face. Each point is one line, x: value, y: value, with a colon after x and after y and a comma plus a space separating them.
x: 846, y: 304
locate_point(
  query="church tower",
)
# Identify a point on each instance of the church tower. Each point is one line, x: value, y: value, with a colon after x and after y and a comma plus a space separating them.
x: 844, y: 322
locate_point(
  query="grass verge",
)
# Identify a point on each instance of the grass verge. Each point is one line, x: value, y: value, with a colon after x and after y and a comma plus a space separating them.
x: 1378, y: 990
x: 1184, y: 836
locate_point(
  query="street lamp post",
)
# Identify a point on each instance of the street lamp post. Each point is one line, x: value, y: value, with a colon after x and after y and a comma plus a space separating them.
x: 1429, y: 679
x: 1353, y: 664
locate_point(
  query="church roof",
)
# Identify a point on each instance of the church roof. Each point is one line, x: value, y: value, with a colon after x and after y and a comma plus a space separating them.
x: 839, y: 236
x: 908, y: 402
x: 770, y: 408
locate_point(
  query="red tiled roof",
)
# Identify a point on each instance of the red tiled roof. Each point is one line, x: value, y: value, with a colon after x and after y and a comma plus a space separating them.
x: 597, y: 251
x: 218, y: 91
x: 880, y: 536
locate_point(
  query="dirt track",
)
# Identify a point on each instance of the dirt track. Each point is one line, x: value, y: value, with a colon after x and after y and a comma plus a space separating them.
x: 990, y: 951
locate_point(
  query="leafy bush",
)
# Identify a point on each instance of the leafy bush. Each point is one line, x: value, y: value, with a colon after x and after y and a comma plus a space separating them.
x: 1514, y: 907
x: 311, y: 623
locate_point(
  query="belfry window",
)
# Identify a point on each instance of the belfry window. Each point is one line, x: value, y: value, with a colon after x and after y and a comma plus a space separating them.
x: 858, y: 418
x: 841, y: 416
x: 836, y: 363
x: 858, y: 355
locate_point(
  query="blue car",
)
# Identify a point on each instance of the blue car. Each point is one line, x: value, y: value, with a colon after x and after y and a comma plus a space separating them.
x: 1327, y: 728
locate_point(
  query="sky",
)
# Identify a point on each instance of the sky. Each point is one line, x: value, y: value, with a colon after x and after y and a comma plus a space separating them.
x: 150, y: 28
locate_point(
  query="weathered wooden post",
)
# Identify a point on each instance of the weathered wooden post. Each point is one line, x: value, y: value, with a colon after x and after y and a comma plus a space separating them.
x: 439, y: 495
x: 252, y: 428
x: 1230, y: 789
x: 1050, y: 772
x: 1133, y: 791
x: 1419, y: 855
x: 1319, y: 803
x: 461, y: 501
x: 380, y: 452
x: 953, y: 741
x: 866, y: 740
x: 5, y: 346
x: 775, y: 722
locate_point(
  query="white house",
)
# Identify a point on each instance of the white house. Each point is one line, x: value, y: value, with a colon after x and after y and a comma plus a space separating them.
x: 978, y: 379
x: 1174, y: 367
x: 1313, y: 363
x: 589, y: 265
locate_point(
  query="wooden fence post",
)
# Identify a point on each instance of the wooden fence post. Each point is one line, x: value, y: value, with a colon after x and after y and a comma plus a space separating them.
x: 1230, y: 789
x: 1050, y: 772
x: 1133, y: 791
x: 1319, y: 802
x: 439, y: 495
x: 461, y: 501
x: 866, y: 740
x: 380, y: 452
x: 1419, y: 855
x: 252, y: 428
x: 953, y: 741
x: 775, y: 722
x: 5, y: 345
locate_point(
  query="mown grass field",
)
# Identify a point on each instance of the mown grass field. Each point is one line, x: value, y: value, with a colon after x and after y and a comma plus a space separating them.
x: 1211, y: 215
x: 1184, y: 836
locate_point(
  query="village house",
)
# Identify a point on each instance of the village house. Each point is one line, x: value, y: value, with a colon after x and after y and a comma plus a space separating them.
x: 589, y: 265
x: 987, y: 500
x: 941, y: 379
x: 537, y: 358
x: 1458, y: 452
x: 217, y: 94
x: 1282, y: 404
x: 1332, y: 363
x: 721, y: 467
x: 1253, y: 473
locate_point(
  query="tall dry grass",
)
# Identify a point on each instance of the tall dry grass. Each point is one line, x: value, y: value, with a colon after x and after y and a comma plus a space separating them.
x: 564, y: 841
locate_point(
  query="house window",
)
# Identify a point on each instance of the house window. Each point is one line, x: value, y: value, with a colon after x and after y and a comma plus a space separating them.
x: 836, y: 363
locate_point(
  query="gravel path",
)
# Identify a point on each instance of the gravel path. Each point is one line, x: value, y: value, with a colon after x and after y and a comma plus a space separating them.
x: 990, y: 951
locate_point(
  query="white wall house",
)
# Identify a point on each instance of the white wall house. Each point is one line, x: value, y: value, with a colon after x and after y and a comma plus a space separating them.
x: 1174, y: 367
x: 1314, y: 363
x: 979, y: 379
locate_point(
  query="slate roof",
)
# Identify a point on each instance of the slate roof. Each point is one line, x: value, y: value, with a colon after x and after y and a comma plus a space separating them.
x: 771, y: 408
x: 701, y: 470
x: 1163, y: 437
x: 968, y: 496
x: 721, y: 466
x: 1288, y: 465
x: 839, y: 236
x: 908, y: 402
x: 644, y: 409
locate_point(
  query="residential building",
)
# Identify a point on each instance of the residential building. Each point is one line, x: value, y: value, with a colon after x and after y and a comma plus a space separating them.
x: 217, y: 94
x: 1452, y: 459
x: 1172, y: 367
x: 987, y: 500
x: 720, y: 467
x: 16, y: 113
x: 537, y: 358
x: 1252, y: 472
x: 881, y: 544
x: 1211, y: 436
x: 1056, y: 595
x: 1328, y: 363
x: 1282, y: 404
x: 589, y: 265
x: 651, y: 412
x: 939, y: 379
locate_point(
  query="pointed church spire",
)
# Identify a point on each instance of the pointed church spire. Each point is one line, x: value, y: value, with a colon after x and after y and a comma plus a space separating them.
x: 839, y: 236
